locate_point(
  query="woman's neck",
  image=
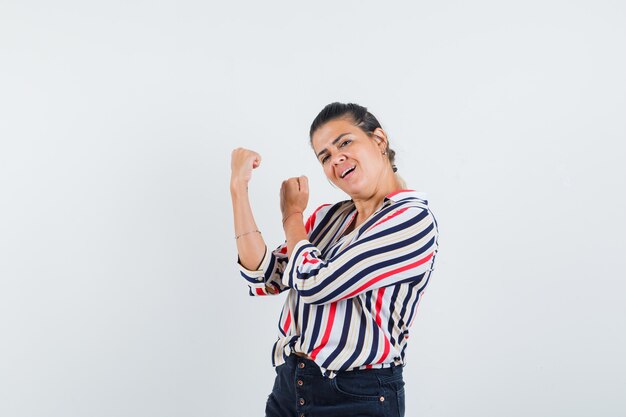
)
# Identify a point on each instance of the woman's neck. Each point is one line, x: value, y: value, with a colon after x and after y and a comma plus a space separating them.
x: 365, y: 207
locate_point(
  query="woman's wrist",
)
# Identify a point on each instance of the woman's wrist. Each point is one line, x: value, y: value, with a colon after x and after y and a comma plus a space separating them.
x: 238, y: 186
x: 293, y: 224
x: 293, y: 215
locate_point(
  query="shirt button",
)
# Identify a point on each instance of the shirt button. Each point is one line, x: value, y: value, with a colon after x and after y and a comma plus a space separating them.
x: 301, y: 365
x: 301, y: 401
x: 382, y: 398
x: 300, y: 383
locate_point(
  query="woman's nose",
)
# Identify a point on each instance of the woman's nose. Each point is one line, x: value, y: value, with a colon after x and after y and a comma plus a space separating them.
x: 338, y: 158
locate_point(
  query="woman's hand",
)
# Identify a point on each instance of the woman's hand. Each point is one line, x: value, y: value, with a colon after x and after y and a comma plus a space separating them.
x: 242, y: 162
x: 294, y: 196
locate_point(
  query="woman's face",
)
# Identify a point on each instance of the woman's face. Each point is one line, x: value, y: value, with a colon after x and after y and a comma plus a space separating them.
x: 351, y: 159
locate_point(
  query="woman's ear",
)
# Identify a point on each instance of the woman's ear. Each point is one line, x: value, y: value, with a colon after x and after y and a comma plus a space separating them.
x: 381, y: 139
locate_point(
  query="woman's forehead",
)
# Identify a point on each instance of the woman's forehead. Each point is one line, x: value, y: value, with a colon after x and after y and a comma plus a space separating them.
x: 330, y: 131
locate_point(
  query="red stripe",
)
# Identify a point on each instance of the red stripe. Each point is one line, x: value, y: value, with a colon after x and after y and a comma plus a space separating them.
x: 391, y: 216
x: 260, y: 291
x: 379, y: 302
x: 308, y: 260
x: 311, y: 221
x: 287, y: 322
x: 389, y: 273
x: 396, y: 192
x: 383, y: 356
x: 329, y: 327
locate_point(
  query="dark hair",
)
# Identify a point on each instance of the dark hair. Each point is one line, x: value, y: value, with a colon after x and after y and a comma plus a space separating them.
x: 359, y: 115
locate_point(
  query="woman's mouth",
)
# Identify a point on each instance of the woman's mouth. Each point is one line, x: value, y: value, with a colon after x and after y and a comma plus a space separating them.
x: 347, y: 172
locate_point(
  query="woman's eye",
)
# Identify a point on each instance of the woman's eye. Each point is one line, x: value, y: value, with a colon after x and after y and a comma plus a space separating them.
x: 344, y: 143
x: 324, y: 159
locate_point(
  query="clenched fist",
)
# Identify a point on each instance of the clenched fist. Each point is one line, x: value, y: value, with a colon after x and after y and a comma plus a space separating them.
x: 242, y: 162
x: 294, y: 196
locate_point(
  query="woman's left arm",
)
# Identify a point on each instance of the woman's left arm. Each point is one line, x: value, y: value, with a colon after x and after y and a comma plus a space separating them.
x: 399, y: 247
x: 294, y: 197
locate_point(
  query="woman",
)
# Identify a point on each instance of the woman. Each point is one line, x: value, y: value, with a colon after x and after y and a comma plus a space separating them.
x: 354, y: 272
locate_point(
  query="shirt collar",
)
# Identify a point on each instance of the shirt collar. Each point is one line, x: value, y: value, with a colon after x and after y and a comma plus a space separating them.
x: 400, y: 195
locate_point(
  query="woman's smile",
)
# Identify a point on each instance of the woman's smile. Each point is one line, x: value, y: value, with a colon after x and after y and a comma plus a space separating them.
x: 347, y: 171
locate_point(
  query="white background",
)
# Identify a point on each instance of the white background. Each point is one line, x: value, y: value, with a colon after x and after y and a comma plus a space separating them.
x: 119, y: 294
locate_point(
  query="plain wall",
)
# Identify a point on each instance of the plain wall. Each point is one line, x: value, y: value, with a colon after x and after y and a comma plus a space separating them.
x: 119, y: 293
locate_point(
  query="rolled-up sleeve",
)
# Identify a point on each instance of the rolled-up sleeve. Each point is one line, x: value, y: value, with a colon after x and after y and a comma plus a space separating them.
x: 267, y: 278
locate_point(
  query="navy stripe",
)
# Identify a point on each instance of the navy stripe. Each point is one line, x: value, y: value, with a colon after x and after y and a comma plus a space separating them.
x: 392, y: 308
x: 326, y: 222
x: 319, y: 312
x: 405, y: 306
x: 280, y: 320
x: 305, y: 316
x: 395, y: 229
x: 338, y: 231
x: 374, y: 345
x: 368, y: 301
x: 296, y: 310
x: 249, y: 278
x: 385, y: 210
x: 372, y: 319
x: 414, y: 306
x: 321, y: 221
x: 383, y: 213
x: 270, y: 268
x: 361, y: 337
x: 274, y: 352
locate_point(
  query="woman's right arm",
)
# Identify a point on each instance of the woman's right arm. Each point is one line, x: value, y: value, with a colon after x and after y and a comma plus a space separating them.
x: 250, y: 244
x: 262, y: 269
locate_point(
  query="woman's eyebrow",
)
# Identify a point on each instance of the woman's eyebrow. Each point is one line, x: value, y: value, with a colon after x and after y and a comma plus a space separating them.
x: 334, y: 142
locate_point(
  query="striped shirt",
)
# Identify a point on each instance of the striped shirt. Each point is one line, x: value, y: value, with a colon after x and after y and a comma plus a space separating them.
x: 351, y: 297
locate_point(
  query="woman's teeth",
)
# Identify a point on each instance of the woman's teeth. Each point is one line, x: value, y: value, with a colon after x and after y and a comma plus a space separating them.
x: 346, y: 172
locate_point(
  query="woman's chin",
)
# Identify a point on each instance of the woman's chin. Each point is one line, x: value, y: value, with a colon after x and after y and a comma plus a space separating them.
x: 353, y: 190
x: 353, y: 185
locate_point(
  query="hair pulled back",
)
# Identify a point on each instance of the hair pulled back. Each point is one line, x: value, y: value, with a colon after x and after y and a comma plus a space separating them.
x: 359, y: 115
